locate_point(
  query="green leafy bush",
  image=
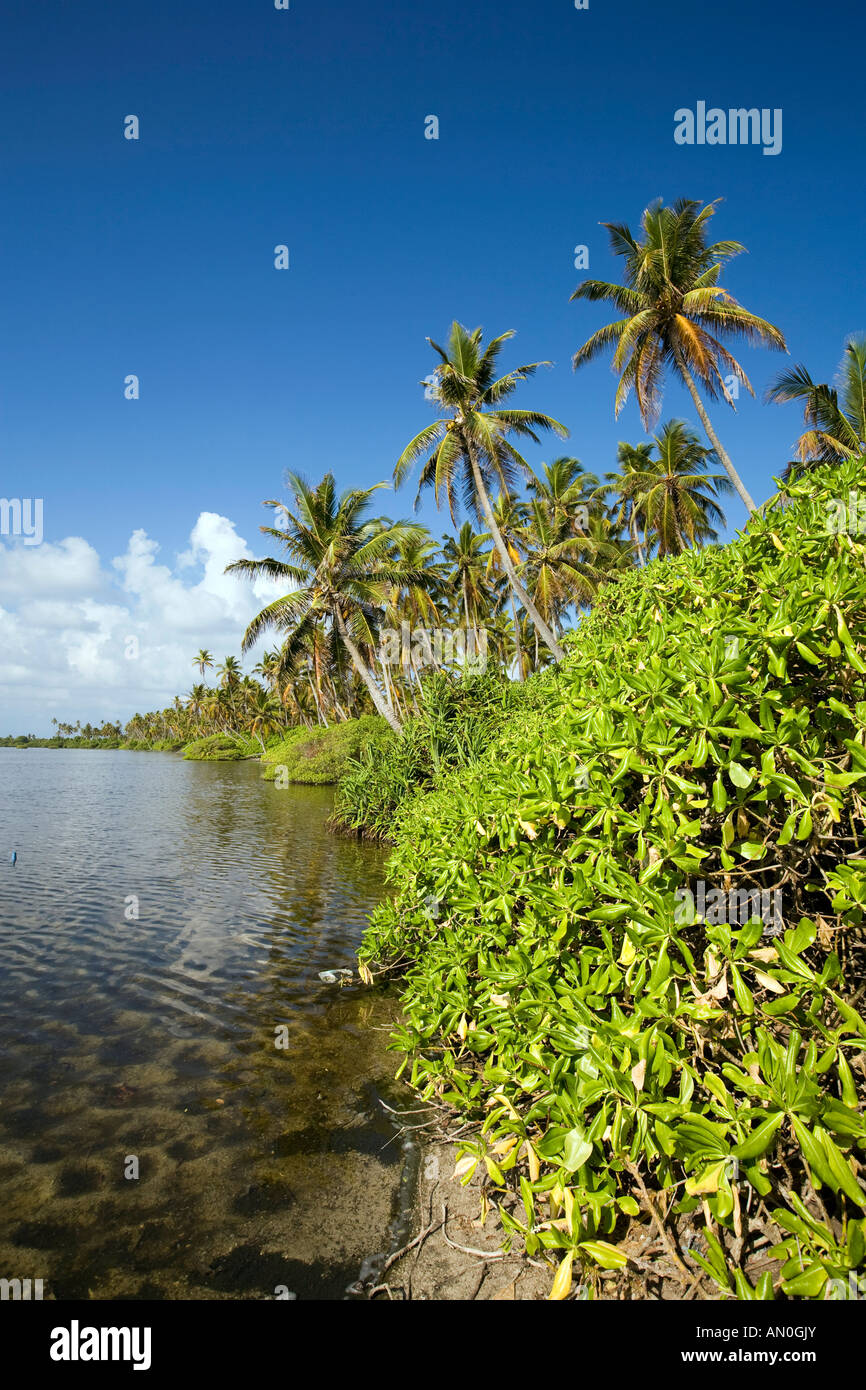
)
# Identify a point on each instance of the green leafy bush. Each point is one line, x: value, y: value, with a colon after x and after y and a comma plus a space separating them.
x: 321, y: 755
x: 221, y: 748
x: 704, y: 741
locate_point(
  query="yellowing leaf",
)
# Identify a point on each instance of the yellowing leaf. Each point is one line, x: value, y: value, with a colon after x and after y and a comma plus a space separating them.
x: 769, y: 983
x: 562, y: 1283
x: 707, y: 1180
x: 532, y: 1160
x: 466, y: 1164
x: 502, y: 1000
x: 638, y: 1072
x: 628, y: 952
x: 495, y: 1171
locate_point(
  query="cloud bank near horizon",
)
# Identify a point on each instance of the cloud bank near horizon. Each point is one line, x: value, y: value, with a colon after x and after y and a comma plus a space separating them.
x: 67, y: 621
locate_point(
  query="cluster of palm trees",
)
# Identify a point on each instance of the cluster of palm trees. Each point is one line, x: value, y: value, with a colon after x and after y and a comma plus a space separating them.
x: 536, y: 548
x: 105, y: 730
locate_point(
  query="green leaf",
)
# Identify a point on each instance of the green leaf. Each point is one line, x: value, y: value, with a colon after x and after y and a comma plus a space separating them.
x: 576, y: 1150
x: 604, y: 1254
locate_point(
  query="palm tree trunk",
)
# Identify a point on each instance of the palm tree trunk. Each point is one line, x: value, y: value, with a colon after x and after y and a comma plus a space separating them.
x: 312, y: 685
x: 518, y: 649
x: 534, y: 615
x: 360, y: 665
x: 714, y: 438
x: 636, y: 539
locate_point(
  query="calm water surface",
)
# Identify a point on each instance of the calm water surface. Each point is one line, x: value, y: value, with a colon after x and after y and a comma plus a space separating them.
x: 152, y: 1037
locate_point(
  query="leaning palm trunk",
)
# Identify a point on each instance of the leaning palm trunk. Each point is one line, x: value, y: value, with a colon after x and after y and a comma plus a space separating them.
x: 363, y: 671
x: 636, y: 539
x: 312, y: 685
x: 518, y: 648
x: 502, y: 550
x: 714, y: 438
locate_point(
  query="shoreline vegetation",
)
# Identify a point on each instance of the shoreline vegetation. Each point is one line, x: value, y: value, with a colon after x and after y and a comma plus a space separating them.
x: 626, y: 808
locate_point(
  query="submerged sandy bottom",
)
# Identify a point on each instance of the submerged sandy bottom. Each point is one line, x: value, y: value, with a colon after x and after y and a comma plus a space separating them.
x: 153, y: 1038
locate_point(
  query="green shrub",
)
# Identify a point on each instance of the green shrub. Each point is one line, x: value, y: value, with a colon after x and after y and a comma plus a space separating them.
x: 321, y: 755
x: 221, y: 748
x: 708, y: 727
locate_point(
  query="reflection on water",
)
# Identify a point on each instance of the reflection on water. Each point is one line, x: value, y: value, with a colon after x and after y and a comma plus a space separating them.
x: 163, y: 927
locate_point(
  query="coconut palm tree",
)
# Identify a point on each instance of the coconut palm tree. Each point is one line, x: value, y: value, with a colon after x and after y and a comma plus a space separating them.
x: 632, y: 458
x: 468, y: 449
x: 196, y: 700
x: 468, y: 555
x: 561, y: 568
x: 266, y: 716
x: 341, y: 566
x: 203, y: 660
x: 836, y: 430
x: 673, y: 311
x: 567, y: 491
x: 674, y: 493
x: 421, y: 603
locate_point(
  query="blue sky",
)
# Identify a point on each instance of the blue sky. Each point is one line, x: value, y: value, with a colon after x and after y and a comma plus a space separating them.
x: 306, y: 127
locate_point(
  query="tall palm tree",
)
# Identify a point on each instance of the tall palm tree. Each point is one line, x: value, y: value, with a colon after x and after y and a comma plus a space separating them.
x: 567, y: 491
x: 269, y: 669
x: 469, y: 449
x: 203, y: 660
x: 632, y: 458
x: 196, y: 700
x: 265, y: 714
x: 674, y: 308
x: 230, y: 673
x: 420, y: 601
x: 562, y: 568
x: 341, y: 565
x: 674, y: 493
x: 467, y: 554
x: 836, y: 431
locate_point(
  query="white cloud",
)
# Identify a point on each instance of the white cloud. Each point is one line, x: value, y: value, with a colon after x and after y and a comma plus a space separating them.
x: 83, y: 640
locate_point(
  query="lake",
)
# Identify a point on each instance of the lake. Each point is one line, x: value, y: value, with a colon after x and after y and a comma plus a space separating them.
x: 161, y: 932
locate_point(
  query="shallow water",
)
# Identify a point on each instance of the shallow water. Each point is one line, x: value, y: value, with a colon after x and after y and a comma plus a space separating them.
x: 162, y: 929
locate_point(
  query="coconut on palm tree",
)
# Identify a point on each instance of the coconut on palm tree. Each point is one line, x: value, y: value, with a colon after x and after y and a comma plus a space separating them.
x: 674, y: 313
x: 468, y: 450
x: 341, y: 565
x: 835, y: 415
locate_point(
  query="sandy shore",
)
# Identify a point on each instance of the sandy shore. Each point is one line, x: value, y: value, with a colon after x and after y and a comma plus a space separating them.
x: 455, y: 1257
